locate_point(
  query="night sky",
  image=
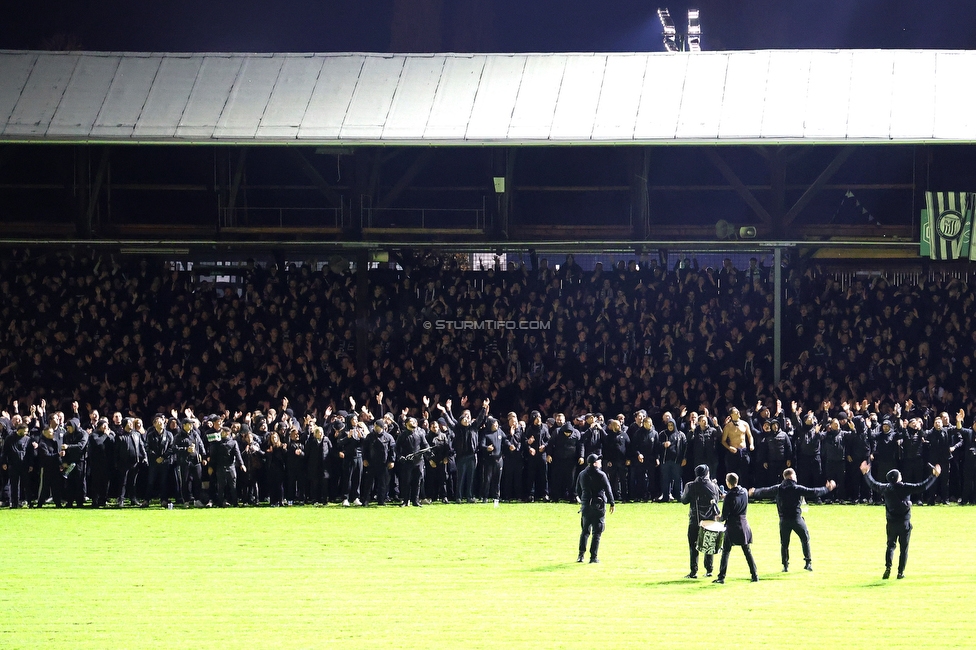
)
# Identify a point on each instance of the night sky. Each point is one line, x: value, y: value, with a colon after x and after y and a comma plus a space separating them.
x: 477, y: 25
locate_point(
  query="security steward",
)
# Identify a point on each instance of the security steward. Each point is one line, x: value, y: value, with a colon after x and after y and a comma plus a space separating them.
x: 593, y: 493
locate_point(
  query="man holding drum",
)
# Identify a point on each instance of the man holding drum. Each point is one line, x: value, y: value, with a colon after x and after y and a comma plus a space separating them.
x: 788, y: 501
x: 702, y: 496
x: 593, y: 494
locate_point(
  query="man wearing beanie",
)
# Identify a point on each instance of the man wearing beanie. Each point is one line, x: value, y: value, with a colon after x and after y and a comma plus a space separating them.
x: 702, y: 496
x: 593, y: 493
x: 898, y: 511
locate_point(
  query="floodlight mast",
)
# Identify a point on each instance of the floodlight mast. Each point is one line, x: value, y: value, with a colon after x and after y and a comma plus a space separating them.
x: 694, y: 31
x: 670, y: 33
x: 675, y: 42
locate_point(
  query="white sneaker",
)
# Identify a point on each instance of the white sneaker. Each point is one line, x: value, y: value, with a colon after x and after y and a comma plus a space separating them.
x: 198, y: 503
x: 357, y: 502
x: 345, y: 502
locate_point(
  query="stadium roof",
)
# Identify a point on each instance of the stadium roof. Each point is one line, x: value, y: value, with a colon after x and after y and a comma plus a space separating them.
x: 743, y: 97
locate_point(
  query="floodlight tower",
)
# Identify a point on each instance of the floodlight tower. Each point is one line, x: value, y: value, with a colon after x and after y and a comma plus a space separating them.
x: 690, y: 41
x: 670, y: 33
x: 694, y: 31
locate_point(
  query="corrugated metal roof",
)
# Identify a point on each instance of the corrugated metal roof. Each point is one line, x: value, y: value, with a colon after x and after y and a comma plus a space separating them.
x: 815, y: 96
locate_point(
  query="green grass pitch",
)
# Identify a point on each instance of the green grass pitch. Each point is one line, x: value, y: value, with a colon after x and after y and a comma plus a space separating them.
x: 469, y: 576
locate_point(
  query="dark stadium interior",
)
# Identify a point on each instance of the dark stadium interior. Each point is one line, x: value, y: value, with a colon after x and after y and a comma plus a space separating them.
x: 575, y: 186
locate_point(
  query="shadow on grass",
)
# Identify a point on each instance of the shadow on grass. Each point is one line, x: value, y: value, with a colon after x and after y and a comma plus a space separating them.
x: 704, y: 581
x: 550, y: 568
x: 679, y: 581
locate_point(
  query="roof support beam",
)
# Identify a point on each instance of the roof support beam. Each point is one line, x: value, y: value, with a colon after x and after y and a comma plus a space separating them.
x: 738, y: 185
x: 412, y: 172
x: 777, y: 181
x: 96, y: 190
x: 334, y: 199
x: 640, y: 162
x: 817, y: 185
x: 235, y: 186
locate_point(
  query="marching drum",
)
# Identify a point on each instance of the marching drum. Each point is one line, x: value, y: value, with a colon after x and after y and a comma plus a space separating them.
x: 711, y: 534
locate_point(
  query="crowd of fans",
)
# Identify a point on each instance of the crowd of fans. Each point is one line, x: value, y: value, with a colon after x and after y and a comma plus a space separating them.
x: 142, y: 341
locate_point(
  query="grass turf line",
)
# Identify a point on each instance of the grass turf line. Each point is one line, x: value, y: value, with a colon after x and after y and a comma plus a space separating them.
x: 468, y: 576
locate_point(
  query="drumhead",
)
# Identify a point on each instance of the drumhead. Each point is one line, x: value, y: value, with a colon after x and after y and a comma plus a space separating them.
x: 712, y: 525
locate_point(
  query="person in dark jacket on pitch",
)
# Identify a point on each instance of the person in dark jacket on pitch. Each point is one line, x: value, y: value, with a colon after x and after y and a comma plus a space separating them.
x: 466, y: 447
x: 788, y: 496
x: 860, y: 448
x: 190, y: 459
x: 225, y: 458
x: 159, y: 450
x: 50, y: 479
x: 351, y: 453
x: 17, y: 451
x: 834, y: 448
x: 913, y: 448
x: 737, y: 531
x: 490, y: 448
x: 317, y: 449
x: 808, y: 441
x: 142, y: 471
x: 174, y: 477
x: 593, y: 493
x: 274, y: 466
x: 942, y: 442
x: 130, y: 455
x: 409, y: 450
x: 250, y: 484
x: 101, y: 462
x: 593, y: 435
x: 564, y: 454
x: 703, y: 442
x: 776, y: 452
x: 536, y: 439
x: 443, y: 471
x: 887, y: 450
x: 379, y: 458
x: 74, y: 457
x: 644, y: 460
x: 295, y: 467
x: 898, y: 512
x: 512, y: 489
x: 968, y: 464
x: 702, y: 497
x: 7, y: 429
x: 672, y: 448
x: 616, y: 446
